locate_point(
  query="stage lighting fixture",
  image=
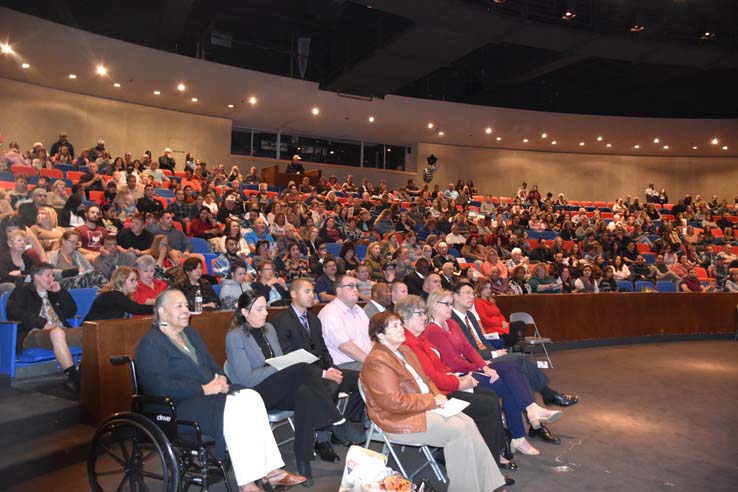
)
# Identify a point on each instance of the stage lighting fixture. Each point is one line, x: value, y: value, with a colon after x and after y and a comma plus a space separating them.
x: 568, y: 9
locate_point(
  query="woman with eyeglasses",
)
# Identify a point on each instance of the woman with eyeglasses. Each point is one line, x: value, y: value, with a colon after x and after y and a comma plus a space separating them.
x: 75, y: 270
x: 484, y: 408
x: 458, y: 354
x: 400, y: 399
x: 173, y: 360
x: 299, y: 387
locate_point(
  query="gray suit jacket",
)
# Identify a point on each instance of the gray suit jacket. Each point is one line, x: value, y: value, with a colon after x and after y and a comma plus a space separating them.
x: 245, y: 364
x: 370, y: 309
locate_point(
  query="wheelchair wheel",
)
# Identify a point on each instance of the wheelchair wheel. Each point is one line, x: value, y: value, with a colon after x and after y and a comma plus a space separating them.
x: 130, y: 453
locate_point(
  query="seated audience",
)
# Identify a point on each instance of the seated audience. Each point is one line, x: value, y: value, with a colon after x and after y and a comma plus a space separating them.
x: 193, y: 283
x: 136, y: 238
x: 173, y: 360
x: 325, y: 283
x: 541, y: 282
x: 148, y: 285
x: 15, y: 261
x: 72, y: 266
x: 400, y: 398
x: 586, y: 284
x: 114, y: 301
x: 91, y: 233
x: 484, y: 407
x: 111, y: 257
x: 42, y: 307
x: 380, y: 301
x: 690, y: 283
x: 345, y: 325
x: 235, y: 284
x: 299, y: 387
x: 444, y: 333
x: 46, y: 228
x: 273, y: 288
x: 492, y: 319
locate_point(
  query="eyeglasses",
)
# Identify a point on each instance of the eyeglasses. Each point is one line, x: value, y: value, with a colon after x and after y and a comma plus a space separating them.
x: 71, y: 242
x: 419, y: 313
x: 446, y: 303
x: 349, y: 286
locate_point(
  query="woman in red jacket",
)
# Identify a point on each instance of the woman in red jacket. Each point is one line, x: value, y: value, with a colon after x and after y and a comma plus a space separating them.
x: 484, y: 408
x: 493, y: 321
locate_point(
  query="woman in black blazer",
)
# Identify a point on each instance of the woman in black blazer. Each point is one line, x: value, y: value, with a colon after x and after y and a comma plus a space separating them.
x: 174, y: 361
x: 114, y: 300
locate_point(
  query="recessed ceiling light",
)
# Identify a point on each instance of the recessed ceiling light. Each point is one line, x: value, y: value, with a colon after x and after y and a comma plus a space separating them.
x: 637, y: 28
x: 430, y: 125
x: 156, y: 93
x: 636, y: 146
x: 694, y: 147
x: 371, y: 119
x: 331, y: 152
x: 6, y: 49
x: 194, y: 99
x: 72, y: 76
x: 116, y: 85
x: 181, y: 87
x: 656, y: 140
x: 25, y: 65
x: 230, y: 106
x: 441, y: 133
x: 101, y: 70
x: 725, y: 147
x: 715, y: 141
x: 499, y: 139
x: 252, y: 100
x: 569, y: 15
x: 488, y: 131
x: 544, y: 135
x: 316, y: 111
x: 581, y: 144
x: 666, y: 147
x: 599, y: 139
x: 389, y: 150
x: 525, y: 140
x: 553, y: 142
x: 608, y: 145
x: 707, y: 35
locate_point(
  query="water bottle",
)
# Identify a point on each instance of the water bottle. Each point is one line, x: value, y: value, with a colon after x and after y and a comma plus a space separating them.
x: 198, y: 302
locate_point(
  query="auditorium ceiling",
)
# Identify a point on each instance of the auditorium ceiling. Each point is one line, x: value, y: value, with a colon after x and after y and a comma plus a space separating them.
x: 462, y: 72
x: 503, y: 53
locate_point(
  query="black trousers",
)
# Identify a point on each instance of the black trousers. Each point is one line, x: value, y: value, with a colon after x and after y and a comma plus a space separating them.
x: 516, y: 335
x: 300, y: 388
x: 485, y: 412
x: 349, y: 385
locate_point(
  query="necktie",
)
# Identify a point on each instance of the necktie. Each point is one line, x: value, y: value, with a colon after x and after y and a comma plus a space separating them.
x: 304, y: 321
x: 477, y: 340
x: 49, y: 313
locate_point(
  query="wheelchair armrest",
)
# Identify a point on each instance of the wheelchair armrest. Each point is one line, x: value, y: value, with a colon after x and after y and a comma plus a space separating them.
x: 138, y: 402
x: 118, y: 360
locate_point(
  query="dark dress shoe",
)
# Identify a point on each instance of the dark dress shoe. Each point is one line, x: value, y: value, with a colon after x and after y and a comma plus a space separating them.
x: 326, y: 453
x: 347, y: 434
x: 561, y: 400
x: 544, y: 434
x: 509, y: 481
x: 510, y: 465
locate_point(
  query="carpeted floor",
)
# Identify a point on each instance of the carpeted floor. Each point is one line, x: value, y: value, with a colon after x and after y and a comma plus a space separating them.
x: 653, y: 417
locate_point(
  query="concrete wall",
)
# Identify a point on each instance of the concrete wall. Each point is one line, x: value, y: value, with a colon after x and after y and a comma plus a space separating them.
x: 582, y: 176
x: 30, y: 113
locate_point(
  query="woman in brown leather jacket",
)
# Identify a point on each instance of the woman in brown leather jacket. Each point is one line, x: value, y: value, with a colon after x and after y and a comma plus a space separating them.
x: 400, y: 399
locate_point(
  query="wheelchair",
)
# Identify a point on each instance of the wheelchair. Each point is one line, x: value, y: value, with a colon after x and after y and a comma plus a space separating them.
x: 150, y: 449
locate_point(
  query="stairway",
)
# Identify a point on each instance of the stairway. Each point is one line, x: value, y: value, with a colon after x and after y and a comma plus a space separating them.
x: 39, y: 433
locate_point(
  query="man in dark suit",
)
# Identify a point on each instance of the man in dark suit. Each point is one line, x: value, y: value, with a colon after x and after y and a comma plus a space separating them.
x: 414, y: 280
x: 299, y: 328
x: 467, y: 320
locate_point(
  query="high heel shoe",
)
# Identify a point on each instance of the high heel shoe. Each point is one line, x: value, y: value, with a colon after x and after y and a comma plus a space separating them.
x: 508, y: 465
x: 522, y: 445
x: 543, y: 416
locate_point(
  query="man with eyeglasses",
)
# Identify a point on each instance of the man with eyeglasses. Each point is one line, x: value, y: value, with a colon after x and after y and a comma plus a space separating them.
x: 346, y: 325
x: 27, y: 211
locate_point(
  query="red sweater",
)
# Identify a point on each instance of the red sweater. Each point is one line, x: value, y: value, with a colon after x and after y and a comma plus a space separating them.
x: 491, y: 316
x: 455, y: 350
x: 432, y: 363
